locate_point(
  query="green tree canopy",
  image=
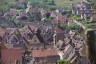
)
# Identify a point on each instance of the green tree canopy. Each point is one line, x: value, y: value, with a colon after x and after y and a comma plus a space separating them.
x: 94, y: 1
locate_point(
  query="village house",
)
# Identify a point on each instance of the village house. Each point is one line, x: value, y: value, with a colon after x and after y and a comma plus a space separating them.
x: 69, y: 53
x: 20, y: 55
x: 12, y: 12
x: 11, y: 56
x: 55, y: 22
x: 45, y: 56
x: 14, y: 38
x: 53, y: 14
x: 2, y: 46
x: 42, y: 12
x: 58, y: 35
x: 30, y: 36
x: 93, y: 18
x: 70, y: 46
x: 62, y: 19
x: 83, y: 9
x: 2, y: 35
x: 60, y: 45
x: 93, y: 6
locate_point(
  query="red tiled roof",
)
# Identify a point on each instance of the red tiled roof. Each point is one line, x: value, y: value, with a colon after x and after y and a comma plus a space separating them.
x: 44, y: 53
x: 11, y: 55
x: 55, y: 21
x: 63, y: 17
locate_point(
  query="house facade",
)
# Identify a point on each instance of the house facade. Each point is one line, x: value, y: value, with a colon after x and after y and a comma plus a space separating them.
x: 45, y: 56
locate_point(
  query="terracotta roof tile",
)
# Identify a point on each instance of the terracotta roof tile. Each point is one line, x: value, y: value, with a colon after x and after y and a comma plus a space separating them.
x: 55, y: 21
x: 11, y: 55
x: 44, y: 53
x: 63, y: 17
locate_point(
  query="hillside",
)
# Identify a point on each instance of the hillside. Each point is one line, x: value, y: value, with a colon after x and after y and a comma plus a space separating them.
x: 59, y: 3
x: 66, y: 3
x: 47, y: 4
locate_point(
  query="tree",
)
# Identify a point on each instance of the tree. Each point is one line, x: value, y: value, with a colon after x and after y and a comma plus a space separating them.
x: 45, y: 0
x: 62, y: 26
x: 75, y: 17
x: 5, y: 5
x: 2, y: 5
x: 91, y: 1
x: 74, y: 27
x: 52, y: 2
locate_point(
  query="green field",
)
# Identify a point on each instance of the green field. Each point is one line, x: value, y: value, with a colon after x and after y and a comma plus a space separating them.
x: 40, y: 3
x: 66, y: 3
x: 59, y: 3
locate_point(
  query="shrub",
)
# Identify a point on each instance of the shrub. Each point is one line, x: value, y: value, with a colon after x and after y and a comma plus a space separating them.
x: 75, y: 17
x: 90, y: 25
x: 71, y: 27
x: 63, y: 62
x: 74, y: 27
